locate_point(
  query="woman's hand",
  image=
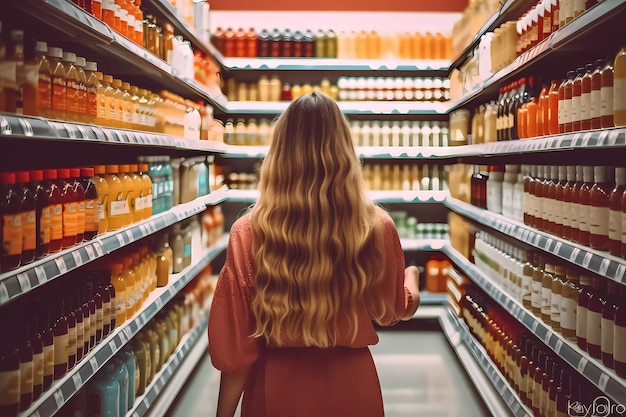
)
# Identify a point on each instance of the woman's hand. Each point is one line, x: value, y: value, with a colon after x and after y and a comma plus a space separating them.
x: 412, y: 283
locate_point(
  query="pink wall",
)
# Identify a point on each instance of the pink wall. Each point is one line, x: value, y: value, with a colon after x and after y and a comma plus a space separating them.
x: 343, y: 5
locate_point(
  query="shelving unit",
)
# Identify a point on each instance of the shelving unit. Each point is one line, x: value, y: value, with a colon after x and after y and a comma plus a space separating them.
x: 348, y: 107
x: 598, y: 262
x: 62, y: 390
x: 250, y: 196
x: 18, y: 282
x: 332, y: 64
x: 593, y: 370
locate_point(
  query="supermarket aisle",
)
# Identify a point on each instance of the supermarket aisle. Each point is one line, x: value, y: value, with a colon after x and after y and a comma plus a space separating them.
x: 419, y: 375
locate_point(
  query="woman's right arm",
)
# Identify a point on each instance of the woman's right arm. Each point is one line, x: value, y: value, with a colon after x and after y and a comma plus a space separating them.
x: 411, y: 286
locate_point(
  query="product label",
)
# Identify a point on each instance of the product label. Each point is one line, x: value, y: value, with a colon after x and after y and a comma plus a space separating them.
x: 91, y: 218
x: 564, y: 213
x: 38, y: 368
x: 92, y: 103
x: 61, y: 348
x: 29, y: 230
x: 581, y: 322
x: 583, y: 217
x: 140, y: 203
x: 72, y: 97
x: 71, y: 341
x: 44, y: 91
x: 27, y: 370
x: 120, y: 303
x: 594, y: 323
x: 585, y: 106
x: 48, y: 360
x: 108, y: 5
x: 546, y: 296
x: 80, y: 217
x: 12, y: 234
x: 555, y: 308
x: 70, y: 219
x: 118, y: 208
x: 56, y: 222
x: 10, y: 387
x: 606, y: 335
x: 106, y: 312
x: 619, y: 94
x: 619, y: 340
x: 575, y: 110
x: 44, y: 226
x: 536, y: 295
x: 507, y: 200
x: 561, y: 111
x: 599, y: 221
x: 615, y: 225
x: 623, y: 227
x: 606, y: 101
x: 595, y: 108
x: 573, y: 215
x: 102, y: 107
x: 567, y: 111
x: 568, y: 313
x: 100, y: 207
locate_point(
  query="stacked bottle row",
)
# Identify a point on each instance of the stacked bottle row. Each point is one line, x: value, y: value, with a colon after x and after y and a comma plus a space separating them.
x: 409, y: 228
x: 122, y: 380
x: 586, y: 99
x: 545, y: 384
x: 328, y: 44
x: 585, y: 308
x: 49, y: 82
x: 473, y: 18
x: 584, y: 204
x: 80, y: 310
x: 405, y: 176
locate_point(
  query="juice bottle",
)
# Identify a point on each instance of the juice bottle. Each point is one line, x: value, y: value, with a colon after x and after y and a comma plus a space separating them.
x: 146, y: 193
x: 251, y: 43
x: 117, y: 203
x: 28, y: 79
x: 101, y: 98
x: 91, y: 199
x: 138, y: 23
x: 597, y: 301
x: 542, y: 111
x: 82, y: 89
x: 126, y: 103
x: 619, y: 88
x: 10, y: 210
x: 553, y: 108
x: 29, y: 217
x: 102, y: 202
x: 615, y: 212
x: 117, y: 104
x: 117, y: 17
x: 93, y: 83
x: 607, y: 327
x: 72, y: 91
x: 585, y: 98
x: 128, y: 193
x: 133, y: 108
x: 118, y: 281
x: 596, y: 95
x: 79, y: 190
x: 59, y: 84
x: 567, y: 102
x: 55, y: 199
x: 132, y: 296
x: 70, y: 203
x: 14, y: 55
x: 137, y: 202
x: 109, y: 103
x: 96, y: 9
x: 599, y: 208
x: 606, y: 95
x: 42, y: 213
x: 44, y: 85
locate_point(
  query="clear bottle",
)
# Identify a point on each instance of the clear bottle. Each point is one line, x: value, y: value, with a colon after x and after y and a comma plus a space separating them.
x: 59, y: 84
x: 105, y: 101
x: 599, y: 211
x: 615, y: 212
x: 607, y: 95
x: 82, y: 96
x: 619, y: 88
x: 44, y: 85
x: 569, y: 303
x: 73, y: 87
x: 92, y: 86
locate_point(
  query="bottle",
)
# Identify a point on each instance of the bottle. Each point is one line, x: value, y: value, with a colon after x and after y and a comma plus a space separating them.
x: 599, y: 211
x: 116, y: 108
x: 619, y: 88
x: 584, y: 206
x: 560, y: 213
x: 607, y: 327
x: 128, y: 193
x: 275, y: 43
x: 574, y: 214
x: 73, y: 88
x: 146, y: 193
x: 102, y: 201
x: 567, y: 192
x: 79, y: 191
x: 42, y: 213
x: 596, y: 95
x: 585, y: 98
x: 536, y: 286
x: 606, y: 95
x: 10, y: 372
x: 92, y: 86
x: 130, y: 362
x: 619, y: 332
x: 117, y: 203
x: 121, y: 293
x: 546, y: 292
x: 61, y: 338
x: 494, y: 189
x: 569, y: 303
x: 14, y: 56
x: 568, y: 94
x: 575, y: 112
x: 59, y: 84
x: 556, y: 299
x: 29, y: 217
x: 81, y: 87
x: 91, y: 199
x: 615, y: 212
x: 27, y: 366
x: 103, y: 393
x: 263, y: 42
x: 597, y: 302
x: 68, y: 194
x: 44, y: 84
x: 553, y: 108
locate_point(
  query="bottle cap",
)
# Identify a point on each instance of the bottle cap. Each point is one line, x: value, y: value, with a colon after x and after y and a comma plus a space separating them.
x: 99, y: 169
x: 620, y: 175
x: 81, y: 61
x: 7, y: 178
x: 36, y: 175
x: 107, y: 79
x: 22, y: 177
x: 599, y: 174
x: 133, y: 168
x: 50, y: 174
x: 571, y: 172
x: 87, y: 172
x: 562, y: 173
x: 64, y: 173
x: 74, y: 172
x: 69, y: 57
x: 55, y: 52
x: 588, y: 173
x: 41, y: 47
x: 124, y: 168
x: 112, y: 169
x: 91, y: 66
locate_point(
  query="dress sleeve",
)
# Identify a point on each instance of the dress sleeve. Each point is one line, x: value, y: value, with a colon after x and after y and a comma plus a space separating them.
x: 231, y: 347
x: 397, y: 297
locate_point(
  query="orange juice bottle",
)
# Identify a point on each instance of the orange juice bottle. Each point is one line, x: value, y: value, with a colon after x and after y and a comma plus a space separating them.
x: 59, y: 83
x: 44, y: 86
x: 137, y: 203
x: 146, y: 191
x: 117, y: 203
x: 96, y: 9
x: 71, y: 75
x: 361, y: 47
x: 115, y: 107
x: 81, y: 64
x: 101, y: 99
x: 429, y: 46
x: 133, y: 107
x: 132, y: 289
x: 102, y: 188
x: 108, y: 13
x: 374, y: 45
x: 121, y: 296
x: 440, y: 46
x: 419, y: 47
x: 126, y: 104
x: 128, y: 193
x: 138, y: 23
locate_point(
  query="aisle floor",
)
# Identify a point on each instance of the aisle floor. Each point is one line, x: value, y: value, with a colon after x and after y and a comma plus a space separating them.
x: 419, y: 374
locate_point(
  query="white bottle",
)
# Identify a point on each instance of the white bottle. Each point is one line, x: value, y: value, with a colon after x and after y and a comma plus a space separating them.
x: 494, y: 191
x: 518, y: 198
x: 395, y: 134
x: 385, y: 133
x: 405, y: 134
x: 415, y: 134
x: 508, y: 184
x: 426, y: 135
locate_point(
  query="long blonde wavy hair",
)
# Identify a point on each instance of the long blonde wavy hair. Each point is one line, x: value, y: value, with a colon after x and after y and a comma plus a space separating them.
x: 314, y: 231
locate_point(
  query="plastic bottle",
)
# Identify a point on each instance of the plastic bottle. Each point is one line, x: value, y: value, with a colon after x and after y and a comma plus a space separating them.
x: 92, y: 217
x: 121, y: 293
x: 494, y: 189
x: 599, y: 211
x: 575, y: 113
x: 9, y: 371
x: 81, y: 87
x: 103, y: 393
x: 73, y: 88
x: 607, y: 95
x: 146, y: 193
x: 128, y: 193
x: 619, y: 88
x: 92, y: 85
x: 59, y: 84
x: 615, y: 212
x: 79, y: 191
x: 44, y: 85
x: 117, y: 203
x: 28, y: 217
x: 66, y: 185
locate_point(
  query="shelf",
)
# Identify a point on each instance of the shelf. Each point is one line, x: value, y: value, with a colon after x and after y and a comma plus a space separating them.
x: 168, y: 382
x: 347, y: 107
x: 602, y: 377
x: 62, y: 390
x: 463, y: 342
x: 20, y: 281
x: 333, y: 64
x: 112, y: 48
x: 598, y: 262
x: 427, y: 245
x: 388, y: 197
x: 432, y: 298
x: 28, y: 127
x: 511, y: 9
x: 594, y: 18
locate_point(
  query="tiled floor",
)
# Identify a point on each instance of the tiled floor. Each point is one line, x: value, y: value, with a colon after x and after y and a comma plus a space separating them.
x: 419, y: 374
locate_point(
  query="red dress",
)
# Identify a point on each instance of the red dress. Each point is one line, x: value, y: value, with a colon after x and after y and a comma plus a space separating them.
x: 298, y: 381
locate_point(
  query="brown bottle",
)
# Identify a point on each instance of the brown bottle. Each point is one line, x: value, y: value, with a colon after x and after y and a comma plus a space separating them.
x: 583, y: 309
x: 546, y: 292
x: 599, y: 208
x: 560, y: 217
x: 584, y: 206
x: 596, y: 95
x: 240, y: 41
x: 566, y: 205
x: 569, y: 303
x: 575, y: 206
x: 229, y: 43
x: 567, y: 102
x: 607, y: 328
x: 585, y: 98
x: 11, y: 232
x: 619, y: 334
x: 597, y: 301
x: 29, y: 217
x: 606, y: 95
x: 251, y: 40
x: 615, y: 212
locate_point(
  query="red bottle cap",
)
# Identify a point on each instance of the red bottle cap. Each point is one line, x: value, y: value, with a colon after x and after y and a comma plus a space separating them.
x: 87, y: 172
x: 7, y: 178
x: 75, y: 172
x: 22, y: 177
x: 36, y: 175
x: 112, y: 169
x: 124, y: 168
x: 99, y: 169
x: 50, y: 174
x: 64, y: 173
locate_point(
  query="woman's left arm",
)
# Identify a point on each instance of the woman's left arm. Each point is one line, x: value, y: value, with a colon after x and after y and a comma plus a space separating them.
x: 231, y: 388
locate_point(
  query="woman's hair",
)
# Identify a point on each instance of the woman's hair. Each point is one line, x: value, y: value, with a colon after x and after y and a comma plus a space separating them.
x: 314, y: 233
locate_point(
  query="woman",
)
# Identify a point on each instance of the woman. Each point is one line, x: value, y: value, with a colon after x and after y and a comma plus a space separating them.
x: 306, y: 271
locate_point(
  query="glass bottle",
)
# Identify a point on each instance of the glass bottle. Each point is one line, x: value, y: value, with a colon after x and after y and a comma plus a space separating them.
x: 607, y: 327
x: 606, y: 95
x: 584, y: 205
x: 596, y: 95
x: 79, y: 191
x: 599, y: 211
x: 597, y: 301
x: 582, y: 311
x: 569, y: 303
x: 615, y: 212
